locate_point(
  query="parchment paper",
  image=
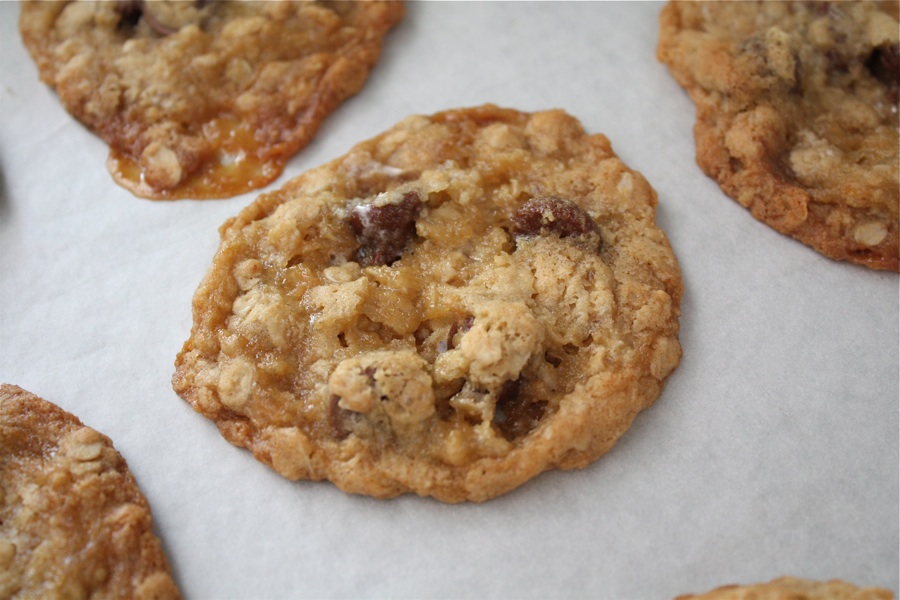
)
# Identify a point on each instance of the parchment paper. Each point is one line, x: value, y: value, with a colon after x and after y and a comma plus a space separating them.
x: 772, y: 451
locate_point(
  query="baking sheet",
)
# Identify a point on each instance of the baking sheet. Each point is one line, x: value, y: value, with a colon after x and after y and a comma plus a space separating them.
x: 773, y: 449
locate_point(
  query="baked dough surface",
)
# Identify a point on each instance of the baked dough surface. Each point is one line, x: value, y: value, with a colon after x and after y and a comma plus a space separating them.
x: 73, y: 523
x: 797, y: 115
x: 793, y: 588
x: 203, y: 99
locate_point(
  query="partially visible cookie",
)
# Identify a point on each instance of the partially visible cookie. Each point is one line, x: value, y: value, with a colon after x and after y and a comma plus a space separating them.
x: 451, y: 308
x: 73, y: 523
x: 797, y: 115
x: 203, y: 98
x: 792, y: 588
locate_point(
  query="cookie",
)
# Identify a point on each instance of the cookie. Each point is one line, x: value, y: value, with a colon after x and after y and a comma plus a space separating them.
x: 451, y: 308
x: 791, y: 588
x: 203, y: 99
x: 73, y: 523
x: 797, y: 115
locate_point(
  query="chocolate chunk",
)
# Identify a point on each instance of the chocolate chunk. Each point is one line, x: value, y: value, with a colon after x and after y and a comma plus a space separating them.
x: 552, y: 215
x: 129, y: 12
x: 132, y: 11
x: 384, y: 231
x: 884, y: 64
x: 515, y: 416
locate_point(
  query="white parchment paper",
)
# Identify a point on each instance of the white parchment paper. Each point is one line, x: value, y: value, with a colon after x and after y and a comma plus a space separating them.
x: 773, y: 449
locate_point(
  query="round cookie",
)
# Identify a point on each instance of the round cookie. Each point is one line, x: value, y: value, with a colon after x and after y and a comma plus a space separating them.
x: 73, y: 523
x: 451, y: 308
x: 792, y: 588
x: 797, y: 115
x: 203, y: 99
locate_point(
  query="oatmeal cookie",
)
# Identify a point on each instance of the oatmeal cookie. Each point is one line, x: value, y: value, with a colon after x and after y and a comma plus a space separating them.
x: 451, y: 308
x: 73, y: 523
x: 791, y: 588
x: 797, y: 115
x: 203, y: 98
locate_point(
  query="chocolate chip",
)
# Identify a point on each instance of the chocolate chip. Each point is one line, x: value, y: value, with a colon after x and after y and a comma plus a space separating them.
x: 515, y: 416
x: 383, y: 232
x: 552, y: 215
x: 884, y: 64
x: 129, y: 12
x: 132, y: 11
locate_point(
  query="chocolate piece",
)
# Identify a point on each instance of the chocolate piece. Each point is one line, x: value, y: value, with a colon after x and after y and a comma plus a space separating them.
x: 384, y: 231
x: 552, y: 215
x: 514, y: 415
x: 884, y: 64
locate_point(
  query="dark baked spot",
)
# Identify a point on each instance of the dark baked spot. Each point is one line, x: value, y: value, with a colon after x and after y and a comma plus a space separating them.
x: 822, y: 8
x: 422, y: 333
x: 458, y: 327
x: 514, y: 415
x: 884, y: 64
x: 336, y: 418
x: 552, y: 359
x: 442, y: 395
x: 384, y: 231
x: 550, y: 215
x: 837, y: 62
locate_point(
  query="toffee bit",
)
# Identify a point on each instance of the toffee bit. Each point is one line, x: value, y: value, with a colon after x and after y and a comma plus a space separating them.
x: 384, y: 231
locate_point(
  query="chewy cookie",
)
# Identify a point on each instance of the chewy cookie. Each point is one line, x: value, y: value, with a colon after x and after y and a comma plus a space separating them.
x: 453, y: 307
x: 73, y: 523
x: 203, y: 98
x: 792, y: 588
x: 797, y: 115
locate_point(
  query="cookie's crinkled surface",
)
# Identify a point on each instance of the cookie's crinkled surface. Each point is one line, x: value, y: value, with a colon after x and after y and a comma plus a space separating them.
x: 73, y: 523
x: 797, y: 115
x: 203, y: 99
x: 793, y: 588
x: 453, y: 307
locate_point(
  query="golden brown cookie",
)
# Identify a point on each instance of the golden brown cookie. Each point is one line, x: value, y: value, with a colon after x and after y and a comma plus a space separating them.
x: 797, y: 115
x: 203, y: 98
x: 73, y: 523
x: 791, y: 588
x: 451, y: 308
